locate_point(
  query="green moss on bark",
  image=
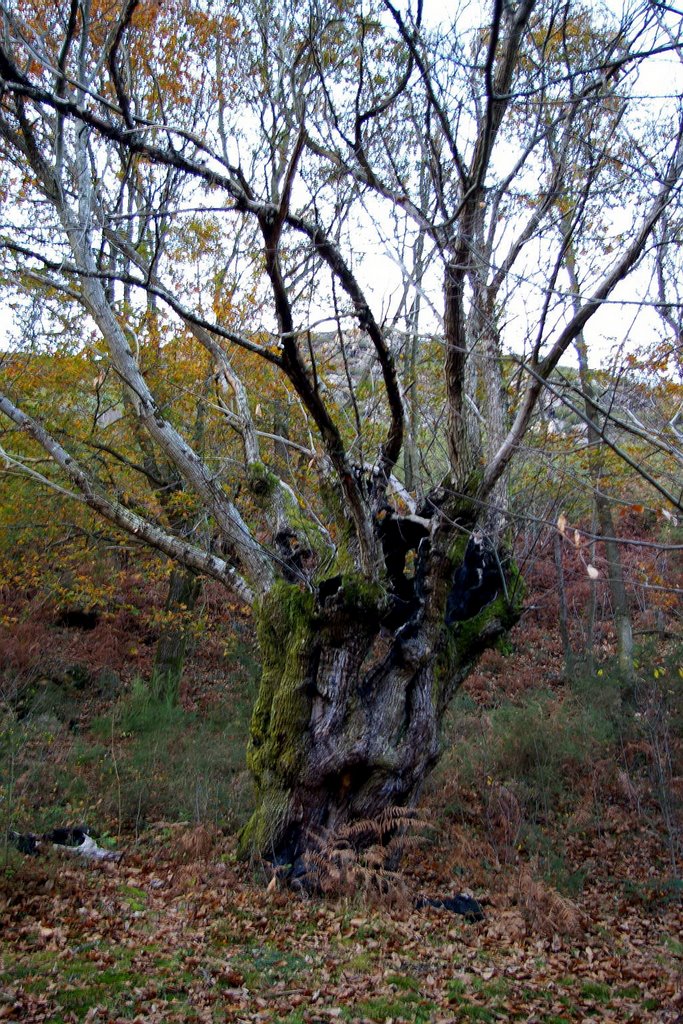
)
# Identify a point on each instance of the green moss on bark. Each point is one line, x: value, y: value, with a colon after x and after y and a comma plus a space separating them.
x: 456, y: 552
x: 361, y: 596
x: 291, y: 632
x: 279, y: 726
x: 264, y: 829
x: 285, y: 632
x: 260, y: 480
x: 336, y: 510
x: 305, y: 527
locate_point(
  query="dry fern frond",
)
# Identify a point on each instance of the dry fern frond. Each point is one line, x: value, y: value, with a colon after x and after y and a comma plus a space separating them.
x: 546, y: 910
x: 362, y: 856
x: 197, y: 843
x: 628, y: 790
x: 505, y: 819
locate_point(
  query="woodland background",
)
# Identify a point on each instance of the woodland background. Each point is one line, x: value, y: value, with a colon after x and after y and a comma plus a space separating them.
x: 557, y: 801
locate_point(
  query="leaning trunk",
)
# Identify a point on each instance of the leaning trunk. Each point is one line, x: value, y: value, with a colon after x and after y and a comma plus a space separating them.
x: 348, y: 715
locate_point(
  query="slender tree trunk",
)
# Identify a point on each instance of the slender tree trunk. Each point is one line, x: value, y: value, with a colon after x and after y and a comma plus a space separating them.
x: 281, y: 430
x: 564, y: 618
x: 620, y: 607
x: 169, y: 658
x: 615, y: 570
x: 605, y: 521
x: 410, y: 460
x: 591, y: 610
x: 410, y: 464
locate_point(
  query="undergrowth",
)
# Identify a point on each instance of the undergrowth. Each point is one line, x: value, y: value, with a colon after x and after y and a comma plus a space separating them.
x: 165, y: 762
x: 144, y: 760
x: 530, y: 770
x: 569, y: 757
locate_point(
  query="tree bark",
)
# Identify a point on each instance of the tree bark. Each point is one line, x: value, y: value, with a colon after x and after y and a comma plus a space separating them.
x: 562, y: 597
x: 348, y: 715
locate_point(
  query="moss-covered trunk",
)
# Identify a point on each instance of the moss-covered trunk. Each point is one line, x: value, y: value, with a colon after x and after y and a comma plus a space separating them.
x: 348, y: 715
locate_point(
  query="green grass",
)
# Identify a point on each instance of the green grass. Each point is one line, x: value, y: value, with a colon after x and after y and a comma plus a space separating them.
x: 655, y: 892
x: 629, y: 992
x: 491, y: 992
x: 409, y: 1008
x: 455, y: 988
x: 135, y: 898
x: 361, y: 961
x: 470, y: 1011
x: 404, y: 982
x: 144, y: 760
x: 164, y: 762
x: 77, y: 984
x: 98, y: 977
x: 494, y: 988
x: 674, y: 946
x: 534, y: 746
x: 596, y: 991
x: 267, y: 965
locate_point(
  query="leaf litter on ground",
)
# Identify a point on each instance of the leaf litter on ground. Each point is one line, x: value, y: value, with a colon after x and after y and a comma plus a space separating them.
x: 184, y: 933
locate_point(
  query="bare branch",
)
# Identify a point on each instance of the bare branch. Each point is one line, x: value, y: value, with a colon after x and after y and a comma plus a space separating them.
x: 115, y: 512
x: 577, y: 323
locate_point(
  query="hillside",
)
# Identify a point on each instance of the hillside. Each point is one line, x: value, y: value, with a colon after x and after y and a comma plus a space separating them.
x: 556, y: 805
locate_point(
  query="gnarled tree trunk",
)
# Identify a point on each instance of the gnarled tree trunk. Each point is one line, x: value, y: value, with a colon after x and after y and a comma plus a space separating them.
x: 348, y: 716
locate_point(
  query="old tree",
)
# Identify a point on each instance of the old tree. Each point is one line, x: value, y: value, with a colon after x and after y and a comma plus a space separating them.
x: 220, y: 181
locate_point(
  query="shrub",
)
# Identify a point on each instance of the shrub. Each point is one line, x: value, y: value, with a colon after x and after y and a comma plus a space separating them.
x: 534, y: 748
x: 542, y: 744
x: 168, y: 763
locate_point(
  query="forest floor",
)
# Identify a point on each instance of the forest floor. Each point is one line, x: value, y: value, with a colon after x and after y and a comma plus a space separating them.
x: 179, y: 932
x: 551, y: 806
